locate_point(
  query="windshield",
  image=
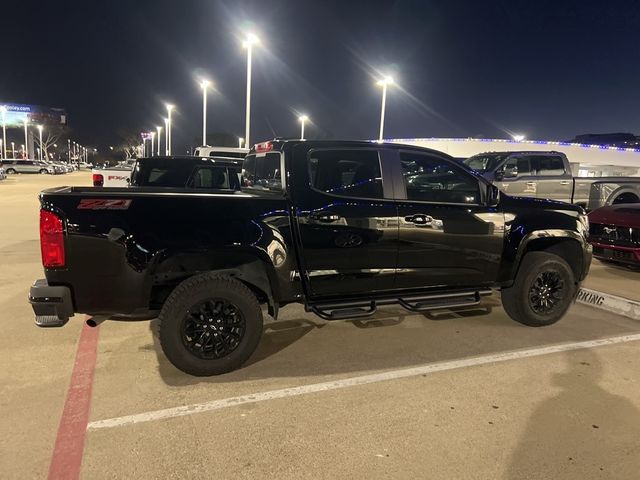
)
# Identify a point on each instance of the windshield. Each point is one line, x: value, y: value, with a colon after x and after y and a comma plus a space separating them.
x: 485, y: 163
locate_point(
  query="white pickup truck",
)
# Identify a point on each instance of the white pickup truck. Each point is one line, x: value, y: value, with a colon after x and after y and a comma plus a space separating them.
x: 117, y: 176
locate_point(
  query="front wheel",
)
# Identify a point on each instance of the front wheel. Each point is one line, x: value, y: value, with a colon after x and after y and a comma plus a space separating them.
x: 11, y: 171
x: 542, y: 292
x: 210, y: 324
x: 43, y: 171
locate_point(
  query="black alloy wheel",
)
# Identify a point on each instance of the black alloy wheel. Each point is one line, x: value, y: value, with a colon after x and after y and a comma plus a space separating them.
x: 213, y: 329
x: 542, y: 291
x: 547, y: 292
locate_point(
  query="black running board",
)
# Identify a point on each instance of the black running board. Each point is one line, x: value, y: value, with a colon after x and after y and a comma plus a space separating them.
x: 341, y: 310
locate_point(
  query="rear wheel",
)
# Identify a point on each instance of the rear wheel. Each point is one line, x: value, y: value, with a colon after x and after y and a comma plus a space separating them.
x: 43, y: 171
x: 542, y: 292
x: 11, y: 171
x: 210, y: 324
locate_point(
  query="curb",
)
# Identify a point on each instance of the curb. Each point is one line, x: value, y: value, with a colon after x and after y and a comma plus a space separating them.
x: 610, y: 303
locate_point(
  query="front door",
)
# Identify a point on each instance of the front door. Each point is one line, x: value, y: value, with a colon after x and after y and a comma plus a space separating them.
x: 524, y: 183
x: 447, y: 236
x: 347, y: 221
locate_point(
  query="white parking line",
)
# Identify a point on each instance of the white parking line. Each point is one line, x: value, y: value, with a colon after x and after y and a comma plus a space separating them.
x: 353, y: 382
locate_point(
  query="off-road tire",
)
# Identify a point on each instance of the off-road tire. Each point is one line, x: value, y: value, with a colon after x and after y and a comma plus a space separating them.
x: 517, y: 299
x: 194, y: 291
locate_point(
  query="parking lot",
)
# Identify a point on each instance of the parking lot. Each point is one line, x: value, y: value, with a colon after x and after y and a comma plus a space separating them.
x: 469, y: 394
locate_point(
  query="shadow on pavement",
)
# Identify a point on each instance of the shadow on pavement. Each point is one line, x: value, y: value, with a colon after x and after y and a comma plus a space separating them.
x: 300, y: 345
x: 566, y: 435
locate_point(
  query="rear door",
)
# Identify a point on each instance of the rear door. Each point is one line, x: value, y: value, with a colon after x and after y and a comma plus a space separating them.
x: 554, y: 179
x: 447, y: 236
x: 347, y: 220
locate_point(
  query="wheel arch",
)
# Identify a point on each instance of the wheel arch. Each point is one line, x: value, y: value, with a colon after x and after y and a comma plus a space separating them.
x: 566, y: 244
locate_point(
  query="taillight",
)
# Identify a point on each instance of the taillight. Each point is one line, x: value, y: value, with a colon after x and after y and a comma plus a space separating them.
x: 98, y: 180
x: 51, y: 239
x: 264, y: 147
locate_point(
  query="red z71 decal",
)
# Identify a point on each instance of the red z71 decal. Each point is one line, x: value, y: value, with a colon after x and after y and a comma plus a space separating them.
x: 103, y: 204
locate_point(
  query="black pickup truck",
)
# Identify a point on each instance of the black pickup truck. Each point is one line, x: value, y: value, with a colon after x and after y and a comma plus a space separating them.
x: 339, y: 226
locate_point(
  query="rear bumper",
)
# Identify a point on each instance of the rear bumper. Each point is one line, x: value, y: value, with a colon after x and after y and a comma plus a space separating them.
x: 52, y: 306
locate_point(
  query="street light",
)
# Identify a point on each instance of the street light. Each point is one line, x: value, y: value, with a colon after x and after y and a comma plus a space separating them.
x: 248, y: 43
x: 13, y: 151
x: 26, y: 140
x: 3, y: 110
x: 153, y: 136
x: 204, y: 84
x: 302, y: 119
x: 240, y: 140
x: 518, y: 137
x: 40, y: 150
x: 166, y: 136
x: 169, y: 109
x: 384, y: 83
x: 69, y: 150
x: 159, y: 129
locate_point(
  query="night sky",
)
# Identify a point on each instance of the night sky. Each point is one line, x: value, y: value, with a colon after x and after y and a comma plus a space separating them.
x: 549, y: 69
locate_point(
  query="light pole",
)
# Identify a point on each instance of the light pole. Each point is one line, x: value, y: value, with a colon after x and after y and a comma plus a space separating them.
x: 386, y: 81
x: 40, y: 150
x: 153, y: 137
x: 240, y: 140
x: 169, y: 109
x: 69, y: 149
x: 249, y: 42
x: 13, y: 151
x: 3, y: 111
x: 204, y: 84
x: 26, y: 140
x: 159, y: 130
x: 302, y: 119
x: 23, y: 151
x: 166, y: 136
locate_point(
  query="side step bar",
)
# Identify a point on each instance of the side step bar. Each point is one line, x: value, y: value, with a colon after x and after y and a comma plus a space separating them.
x: 340, y: 310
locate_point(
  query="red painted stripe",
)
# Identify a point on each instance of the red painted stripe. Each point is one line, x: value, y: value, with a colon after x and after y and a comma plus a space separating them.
x: 69, y: 447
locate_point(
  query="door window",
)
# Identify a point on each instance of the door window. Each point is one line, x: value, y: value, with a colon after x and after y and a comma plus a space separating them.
x: 521, y: 164
x: 547, y: 166
x: 347, y: 173
x: 434, y: 179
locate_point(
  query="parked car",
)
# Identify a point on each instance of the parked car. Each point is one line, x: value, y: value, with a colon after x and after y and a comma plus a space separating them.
x: 547, y: 175
x: 27, y: 166
x: 614, y: 232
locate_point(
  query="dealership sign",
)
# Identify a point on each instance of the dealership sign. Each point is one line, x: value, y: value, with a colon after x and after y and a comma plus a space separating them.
x: 17, y: 113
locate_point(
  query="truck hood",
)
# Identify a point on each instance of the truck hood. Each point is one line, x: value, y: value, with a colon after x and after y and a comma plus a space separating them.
x: 511, y: 202
x: 623, y: 215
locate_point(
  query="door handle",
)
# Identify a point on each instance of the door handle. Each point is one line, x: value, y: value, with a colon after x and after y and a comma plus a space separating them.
x: 419, y: 219
x: 325, y: 217
x: 531, y: 184
x: 565, y: 182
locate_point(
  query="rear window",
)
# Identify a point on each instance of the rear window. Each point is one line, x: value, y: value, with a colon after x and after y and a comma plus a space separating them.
x: 263, y: 171
x: 176, y: 174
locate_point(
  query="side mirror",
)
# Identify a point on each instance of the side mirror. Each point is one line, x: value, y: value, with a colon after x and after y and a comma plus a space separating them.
x: 510, y: 172
x: 493, y: 195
